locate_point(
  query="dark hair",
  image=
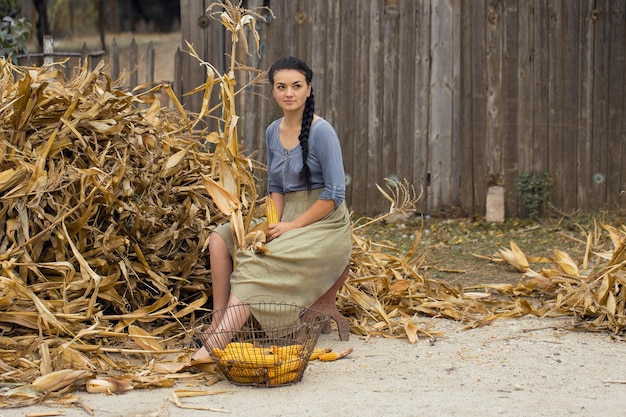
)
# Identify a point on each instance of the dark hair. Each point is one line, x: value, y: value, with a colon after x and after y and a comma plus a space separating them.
x: 291, y: 63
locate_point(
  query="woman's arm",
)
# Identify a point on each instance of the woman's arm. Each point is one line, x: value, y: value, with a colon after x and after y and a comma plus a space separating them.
x: 317, y: 211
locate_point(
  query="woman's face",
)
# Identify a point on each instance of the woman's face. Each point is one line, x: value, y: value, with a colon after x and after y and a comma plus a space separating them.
x: 290, y: 90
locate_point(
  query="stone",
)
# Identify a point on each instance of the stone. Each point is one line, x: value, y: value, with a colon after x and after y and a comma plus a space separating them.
x: 495, y: 204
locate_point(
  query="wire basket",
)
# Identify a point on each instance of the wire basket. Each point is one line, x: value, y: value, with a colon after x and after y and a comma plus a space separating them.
x: 272, y: 348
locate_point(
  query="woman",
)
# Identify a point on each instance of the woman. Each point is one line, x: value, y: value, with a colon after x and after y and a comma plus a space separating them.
x: 310, y: 246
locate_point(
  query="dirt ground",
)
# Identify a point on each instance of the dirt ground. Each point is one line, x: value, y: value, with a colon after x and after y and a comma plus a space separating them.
x: 518, y: 367
x: 515, y: 367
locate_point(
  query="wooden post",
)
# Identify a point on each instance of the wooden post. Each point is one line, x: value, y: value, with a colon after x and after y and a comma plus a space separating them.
x: 48, y: 50
x: 178, y: 74
x: 150, y: 64
x: 115, y: 60
x: 84, y: 56
x: 134, y: 60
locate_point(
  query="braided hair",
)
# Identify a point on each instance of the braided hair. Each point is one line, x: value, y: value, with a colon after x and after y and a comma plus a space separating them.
x: 291, y: 63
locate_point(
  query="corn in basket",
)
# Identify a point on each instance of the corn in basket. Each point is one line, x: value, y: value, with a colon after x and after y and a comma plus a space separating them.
x: 272, y: 347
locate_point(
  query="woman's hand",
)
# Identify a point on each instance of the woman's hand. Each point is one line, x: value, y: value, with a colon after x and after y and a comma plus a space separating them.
x: 276, y: 230
x: 317, y: 211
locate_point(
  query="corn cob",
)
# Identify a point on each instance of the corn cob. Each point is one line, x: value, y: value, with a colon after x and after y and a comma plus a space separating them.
x: 284, y: 378
x: 238, y: 346
x: 251, y: 358
x: 237, y: 370
x: 217, y: 352
x: 319, y: 351
x: 287, y: 353
x: 270, y: 211
x: 108, y: 386
x: 247, y: 379
x: 333, y: 356
x: 284, y: 368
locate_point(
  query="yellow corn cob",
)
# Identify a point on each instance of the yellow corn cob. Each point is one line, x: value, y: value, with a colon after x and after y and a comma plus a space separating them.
x: 108, y: 386
x: 333, y: 356
x: 217, y: 352
x: 238, y: 346
x: 232, y: 348
x: 251, y: 358
x: 270, y: 211
x: 237, y: 370
x: 287, y: 353
x: 284, y: 378
x: 285, y: 368
x: 244, y: 379
x: 319, y: 351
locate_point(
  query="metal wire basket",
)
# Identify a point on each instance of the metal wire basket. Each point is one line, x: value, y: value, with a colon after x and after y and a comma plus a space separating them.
x: 272, y: 348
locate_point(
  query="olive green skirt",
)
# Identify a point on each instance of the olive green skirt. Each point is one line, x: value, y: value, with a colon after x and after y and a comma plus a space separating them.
x: 302, y: 264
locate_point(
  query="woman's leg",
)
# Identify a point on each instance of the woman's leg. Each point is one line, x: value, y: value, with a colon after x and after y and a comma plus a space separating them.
x: 232, y: 320
x: 221, y: 269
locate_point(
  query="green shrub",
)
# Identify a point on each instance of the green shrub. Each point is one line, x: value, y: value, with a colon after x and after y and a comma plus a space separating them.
x: 534, y: 191
x: 14, y: 34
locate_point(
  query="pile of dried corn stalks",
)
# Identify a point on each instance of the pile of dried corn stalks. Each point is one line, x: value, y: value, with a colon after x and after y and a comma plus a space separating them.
x: 103, y: 218
x: 388, y: 288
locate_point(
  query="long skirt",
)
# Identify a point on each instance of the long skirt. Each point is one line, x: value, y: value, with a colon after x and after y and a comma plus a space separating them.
x: 301, y: 265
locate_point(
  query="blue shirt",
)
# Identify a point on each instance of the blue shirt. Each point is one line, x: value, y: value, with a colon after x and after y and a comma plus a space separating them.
x: 324, y: 160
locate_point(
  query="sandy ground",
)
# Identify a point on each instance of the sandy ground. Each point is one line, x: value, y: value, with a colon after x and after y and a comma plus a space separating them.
x: 516, y: 367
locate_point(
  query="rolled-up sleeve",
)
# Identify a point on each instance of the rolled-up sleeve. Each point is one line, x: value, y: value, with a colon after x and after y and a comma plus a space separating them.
x: 328, y: 152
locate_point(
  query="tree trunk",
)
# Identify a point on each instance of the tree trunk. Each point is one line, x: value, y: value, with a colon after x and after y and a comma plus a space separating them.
x: 43, y: 26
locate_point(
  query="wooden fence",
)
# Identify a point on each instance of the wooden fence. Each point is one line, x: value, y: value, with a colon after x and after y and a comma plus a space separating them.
x: 453, y: 95
x: 76, y: 59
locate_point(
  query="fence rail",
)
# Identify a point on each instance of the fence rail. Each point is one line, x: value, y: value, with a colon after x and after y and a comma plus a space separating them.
x: 74, y: 58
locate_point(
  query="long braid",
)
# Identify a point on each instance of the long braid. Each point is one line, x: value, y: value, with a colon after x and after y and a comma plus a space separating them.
x: 307, y: 119
x: 309, y: 109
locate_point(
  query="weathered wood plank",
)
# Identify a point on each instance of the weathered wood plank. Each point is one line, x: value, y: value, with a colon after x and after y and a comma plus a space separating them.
x: 616, y: 171
x: 455, y: 128
x: 466, y: 189
x: 421, y: 166
x: 405, y: 120
x: 539, y: 162
x: 304, y: 19
x: 556, y: 106
x: 479, y: 105
x: 375, y: 201
x: 252, y: 101
x: 600, y: 115
x: 197, y: 36
x: 510, y: 96
x: 318, y: 47
x: 134, y: 60
x: 115, y: 60
x: 585, y: 111
x: 441, y: 93
x: 494, y: 69
x: 389, y: 86
x: 345, y: 95
x: 525, y: 87
x: 571, y: 102
x: 332, y: 67
x: 361, y: 115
